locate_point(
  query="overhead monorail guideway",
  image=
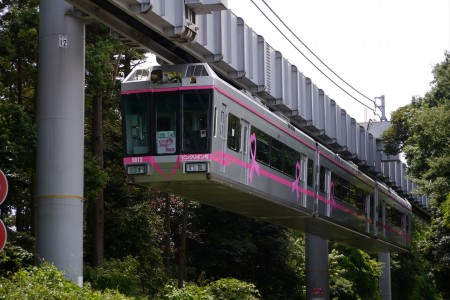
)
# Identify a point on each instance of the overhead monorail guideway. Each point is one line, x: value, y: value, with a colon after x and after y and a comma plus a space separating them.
x: 193, y: 31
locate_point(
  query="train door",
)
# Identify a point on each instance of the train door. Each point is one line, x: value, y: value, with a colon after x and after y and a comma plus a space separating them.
x: 316, y: 179
x: 375, y: 209
x: 223, y: 135
x: 304, y: 176
x: 325, y: 191
x: 245, y: 129
x: 367, y: 211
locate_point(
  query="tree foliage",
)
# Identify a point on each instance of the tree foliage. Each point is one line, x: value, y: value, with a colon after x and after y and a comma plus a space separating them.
x: 353, y: 274
x: 46, y: 282
x: 422, y: 131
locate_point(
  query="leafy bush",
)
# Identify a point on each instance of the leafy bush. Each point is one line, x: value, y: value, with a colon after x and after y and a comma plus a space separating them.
x: 232, y: 289
x: 46, y: 282
x: 122, y: 275
x: 222, y: 289
x: 190, y: 292
x: 13, y: 258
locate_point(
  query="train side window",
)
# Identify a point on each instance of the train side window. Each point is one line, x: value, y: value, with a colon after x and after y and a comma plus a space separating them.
x: 393, y: 216
x: 136, y: 124
x: 291, y: 157
x: 262, y: 146
x: 310, y: 173
x: 276, y: 154
x: 322, y: 182
x: 348, y: 193
x: 196, y: 126
x: 234, y: 133
x: 166, y: 116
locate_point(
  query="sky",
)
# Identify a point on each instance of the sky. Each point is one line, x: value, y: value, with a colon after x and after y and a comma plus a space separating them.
x: 380, y: 47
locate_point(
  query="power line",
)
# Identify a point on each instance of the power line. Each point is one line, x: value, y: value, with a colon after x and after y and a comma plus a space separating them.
x: 298, y: 39
x: 299, y: 51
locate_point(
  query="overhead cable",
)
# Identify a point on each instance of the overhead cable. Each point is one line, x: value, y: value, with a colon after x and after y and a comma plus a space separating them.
x: 298, y: 39
x: 315, y: 66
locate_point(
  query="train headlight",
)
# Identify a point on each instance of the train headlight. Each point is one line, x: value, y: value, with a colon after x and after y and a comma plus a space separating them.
x: 194, y: 167
x: 136, y: 169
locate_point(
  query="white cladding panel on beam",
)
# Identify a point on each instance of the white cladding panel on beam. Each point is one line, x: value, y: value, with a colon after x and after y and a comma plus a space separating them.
x: 289, y: 79
x: 315, y: 106
x: 398, y: 174
x: 167, y: 17
x: 353, y: 137
x: 331, y: 124
x: 274, y: 73
x: 409, y: 186
x: 254, y: 59
x: 378, y: 154
x: 173, y: 12
x: 413, y: 188
x: 232, y: 47
x: 308, y: 101
x: 343, y: 137
x: 385, y: 171
x: 362, y: 144
x: 371, y: 149
x: 320, y: 114
x: 300, y: 89
x: 404, y: 183
x: 301, y: 104
x: 208, y: 41
x: 294, y: 92
x: 392, y: 171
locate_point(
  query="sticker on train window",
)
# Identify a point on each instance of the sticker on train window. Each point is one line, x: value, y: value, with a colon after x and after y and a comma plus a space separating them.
x: 165, y: 142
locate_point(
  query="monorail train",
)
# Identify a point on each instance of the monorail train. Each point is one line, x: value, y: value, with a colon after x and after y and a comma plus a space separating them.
x: 188, y: 132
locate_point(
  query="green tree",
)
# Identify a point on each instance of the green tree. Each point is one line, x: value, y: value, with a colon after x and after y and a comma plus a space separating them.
x: 353, y: 274
x: 410, y: 271
x: 18, y: 79
x: 118, y: 274
x: 106, y: 59
x: 421, y: 130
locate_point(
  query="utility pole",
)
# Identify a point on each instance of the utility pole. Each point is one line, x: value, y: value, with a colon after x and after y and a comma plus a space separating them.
x: 381, y: 107
x: 60, y: 145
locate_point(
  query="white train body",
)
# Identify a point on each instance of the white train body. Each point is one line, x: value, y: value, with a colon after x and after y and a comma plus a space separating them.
x: 188, y: 132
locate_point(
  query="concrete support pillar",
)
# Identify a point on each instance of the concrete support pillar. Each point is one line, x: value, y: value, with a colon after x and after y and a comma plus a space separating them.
x: 385, y: 278
x: 317, y: 286
x: 60, y: 149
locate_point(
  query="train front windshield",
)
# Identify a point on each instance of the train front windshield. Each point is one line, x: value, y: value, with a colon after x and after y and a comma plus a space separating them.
x: 167, y: 123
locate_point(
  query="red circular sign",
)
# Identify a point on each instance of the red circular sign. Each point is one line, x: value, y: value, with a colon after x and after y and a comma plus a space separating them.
x: 3, y: 187
x: 2, y: 235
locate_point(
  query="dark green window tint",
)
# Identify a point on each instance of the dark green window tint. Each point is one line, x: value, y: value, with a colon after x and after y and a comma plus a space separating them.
x: 276, y: 155
x: 291, y: 157
x: 234, y: 133
x: 136, y: 123
x: 322, y: 184
x: 348, y: 193
x: 393, y: 216
x: 262, y: 146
